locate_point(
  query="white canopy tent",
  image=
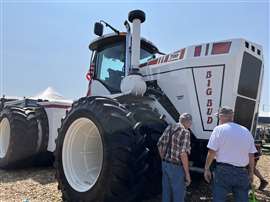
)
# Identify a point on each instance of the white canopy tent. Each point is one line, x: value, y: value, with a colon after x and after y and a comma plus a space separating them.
x: 51, y: 95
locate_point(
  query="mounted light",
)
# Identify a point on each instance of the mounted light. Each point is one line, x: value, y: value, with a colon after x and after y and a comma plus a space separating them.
x: 98, y: 29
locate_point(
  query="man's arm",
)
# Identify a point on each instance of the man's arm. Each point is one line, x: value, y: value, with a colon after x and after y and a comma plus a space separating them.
x: 162, y: 142
x: 251, y: 164
x: 160, y: 146
x: 184, y: 144
x: 161, y: 152
x: 184, y: 159
x: 251, y: 167
x: 209, y: 159
x: 213, y: 146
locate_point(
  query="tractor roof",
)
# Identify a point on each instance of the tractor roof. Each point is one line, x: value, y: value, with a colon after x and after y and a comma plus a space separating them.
x: 102, y: 41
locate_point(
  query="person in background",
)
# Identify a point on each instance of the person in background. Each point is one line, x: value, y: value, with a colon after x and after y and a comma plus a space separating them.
x: 232, y: 145
x: 263, y: 182
x: 174, y: 147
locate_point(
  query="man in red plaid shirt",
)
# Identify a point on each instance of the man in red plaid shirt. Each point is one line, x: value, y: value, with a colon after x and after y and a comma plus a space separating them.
x: 174, y: 147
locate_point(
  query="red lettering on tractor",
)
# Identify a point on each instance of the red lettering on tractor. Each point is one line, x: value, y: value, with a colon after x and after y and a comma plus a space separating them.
x: 209, y: 103
x: 209, y: 111
x: 209, y: 92
x: 209, y: 74
x: 208, y: 83
x: 209, y: 120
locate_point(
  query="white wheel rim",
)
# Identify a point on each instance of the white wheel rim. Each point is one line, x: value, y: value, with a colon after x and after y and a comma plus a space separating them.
x: 4, y: 137
x: 82, y: 154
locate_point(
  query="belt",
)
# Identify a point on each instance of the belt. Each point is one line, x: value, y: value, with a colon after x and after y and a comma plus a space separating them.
x: 230, y: 165
x: 175, y: 163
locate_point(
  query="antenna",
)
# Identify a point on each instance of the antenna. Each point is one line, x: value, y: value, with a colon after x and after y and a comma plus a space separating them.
x: 111, y: 27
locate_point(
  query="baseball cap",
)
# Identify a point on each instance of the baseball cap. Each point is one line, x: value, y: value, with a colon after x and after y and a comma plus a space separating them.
x: 225, y: 110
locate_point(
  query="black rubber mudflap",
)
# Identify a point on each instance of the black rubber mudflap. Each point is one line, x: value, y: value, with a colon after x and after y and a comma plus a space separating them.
x: 151, y: 126
x: 124, y: 154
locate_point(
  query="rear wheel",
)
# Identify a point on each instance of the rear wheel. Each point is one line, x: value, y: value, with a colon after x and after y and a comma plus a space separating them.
x: 98, y: 155
x: 18, y: 139
x: 23, y: 135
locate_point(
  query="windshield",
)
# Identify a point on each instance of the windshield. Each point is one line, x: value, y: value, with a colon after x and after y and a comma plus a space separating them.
x: 110, y: 63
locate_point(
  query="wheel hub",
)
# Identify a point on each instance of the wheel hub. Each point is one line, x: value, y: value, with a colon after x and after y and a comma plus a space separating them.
x: 82, y: 154
x: 4, y: 136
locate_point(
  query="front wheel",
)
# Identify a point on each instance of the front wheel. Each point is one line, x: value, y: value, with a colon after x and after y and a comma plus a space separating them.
x: 98, y: 155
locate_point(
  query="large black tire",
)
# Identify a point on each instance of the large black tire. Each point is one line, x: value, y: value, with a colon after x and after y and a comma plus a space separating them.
x: 23, y: 138
x: 151, y: 126
x: 43, y: 157
x: 124, y: 154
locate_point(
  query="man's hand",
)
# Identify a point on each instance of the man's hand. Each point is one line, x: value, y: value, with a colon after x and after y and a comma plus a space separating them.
x: 184, y: 159
x: 207, y: 175
x: 251, y: 178
x: 209, y: 159
x: 188, y: 180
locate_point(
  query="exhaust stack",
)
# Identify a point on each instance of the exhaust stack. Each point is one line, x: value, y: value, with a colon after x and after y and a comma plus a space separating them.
x: 133, y: 83
x: 136, y: 17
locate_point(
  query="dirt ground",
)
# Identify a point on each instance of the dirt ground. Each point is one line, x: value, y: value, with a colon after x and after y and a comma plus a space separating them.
x: 39, y: 185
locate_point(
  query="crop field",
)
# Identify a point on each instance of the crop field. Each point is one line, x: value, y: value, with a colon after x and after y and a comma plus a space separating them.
x: 39, y: 185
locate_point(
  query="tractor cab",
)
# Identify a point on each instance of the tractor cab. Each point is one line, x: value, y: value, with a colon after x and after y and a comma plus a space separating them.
x: 108, y: 61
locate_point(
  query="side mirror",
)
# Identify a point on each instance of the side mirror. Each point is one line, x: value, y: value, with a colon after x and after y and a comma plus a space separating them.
x: 98, y: 30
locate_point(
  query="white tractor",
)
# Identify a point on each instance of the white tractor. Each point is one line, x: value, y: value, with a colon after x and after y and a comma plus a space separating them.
x: 105, y: 149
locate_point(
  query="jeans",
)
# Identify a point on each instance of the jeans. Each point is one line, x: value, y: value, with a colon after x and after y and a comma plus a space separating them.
x: 173, y: 183
x: 229, y: 179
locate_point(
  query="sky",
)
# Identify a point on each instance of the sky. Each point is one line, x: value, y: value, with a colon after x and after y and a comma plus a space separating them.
x: 45, y: 43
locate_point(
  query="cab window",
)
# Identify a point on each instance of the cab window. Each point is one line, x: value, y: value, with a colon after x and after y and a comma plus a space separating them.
x: 110, y: 66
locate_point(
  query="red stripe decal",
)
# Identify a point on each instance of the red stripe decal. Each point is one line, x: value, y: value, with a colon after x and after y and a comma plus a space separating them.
x: 153, y: 62
x: 197, y: 51
x: 143, y: 64
x: 221, y: 48
x: 182, y: 53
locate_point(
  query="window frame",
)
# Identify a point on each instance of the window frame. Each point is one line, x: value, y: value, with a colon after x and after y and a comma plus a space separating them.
x: 96, y: 69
